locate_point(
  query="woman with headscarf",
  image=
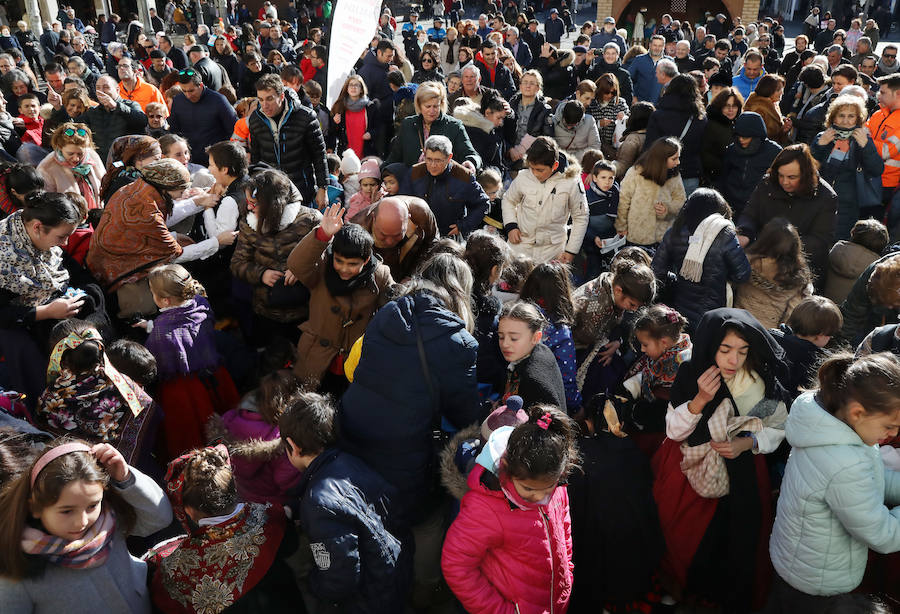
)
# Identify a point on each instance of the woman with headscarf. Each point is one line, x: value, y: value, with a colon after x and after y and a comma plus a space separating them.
x: 726, y: 411
x: 132, y: 236
x: 127, y: 156
x: 73, y: 165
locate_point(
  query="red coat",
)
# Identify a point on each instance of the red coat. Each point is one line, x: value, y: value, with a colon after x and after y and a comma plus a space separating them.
x: 498, y: 558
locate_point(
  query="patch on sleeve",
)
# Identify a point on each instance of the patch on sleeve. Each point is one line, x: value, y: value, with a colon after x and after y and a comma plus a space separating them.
x: 321, y: 556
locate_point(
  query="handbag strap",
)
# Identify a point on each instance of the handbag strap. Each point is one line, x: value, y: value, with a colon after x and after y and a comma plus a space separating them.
x: 426, y: 372
x: 687, y: 127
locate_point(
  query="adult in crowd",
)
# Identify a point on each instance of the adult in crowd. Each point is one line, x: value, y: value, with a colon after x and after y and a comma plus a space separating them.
x: 844, y: 150
x: 273, y: 225
x: 254, y: 69
x: 792, y: 57
x: 224, y: 56
x: 681, y: 113
x: 794, y: 190
x: 873, y: 299
x: 201, y: 114
x: 520, y: 50
x: 82, y: 51
x: 127, y: 157
x: 431, y: 119
x: 73, y: 165
x: 884, y: 126
x: 133, y: 87
x: 212, y: 75
x: 354, y: 118
x: 747, y: 78
x: 493, y: 73
x: 721, y: 114
x: 608, y: 34
x: 609, y: 63
x: 429, y: 327
x: 470, y: 78
x: 643, y: 71
x: 745, y: 162
x: 374, y: 71
x: 78, y: 68
x: 765, y: 100
x: 814, y: 120
x: 430, y: 70
x: 286, y: 135
x: 530, y: 116
x: 132, y: 237
x: 113, y: 117
x: 483, y: 126
x: 458, y: 201
x: 811, y: 91
x: 683, y: 58
x: 176, y: 54
x: 607, y: 108
x: 277, y: 42
x: 559, y: 75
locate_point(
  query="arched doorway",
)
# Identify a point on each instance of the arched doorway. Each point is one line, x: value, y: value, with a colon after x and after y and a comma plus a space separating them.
x: 624, y: 10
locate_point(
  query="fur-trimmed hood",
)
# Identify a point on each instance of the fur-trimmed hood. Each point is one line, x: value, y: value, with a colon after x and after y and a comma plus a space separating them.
x: 258, y: 450
x: 471, y: 117
x: 452, y: 476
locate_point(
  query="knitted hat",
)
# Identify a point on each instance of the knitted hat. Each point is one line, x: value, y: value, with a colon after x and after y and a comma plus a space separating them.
x: 370, y: 169
x: 168, y: 174
x: 721, y: 78
x: 349, y: 162
x: 510, y: 414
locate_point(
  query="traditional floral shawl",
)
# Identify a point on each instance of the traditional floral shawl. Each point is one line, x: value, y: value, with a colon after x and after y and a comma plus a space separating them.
x: 662, y: 371
x: 35, y: 277
x: 210, y: 568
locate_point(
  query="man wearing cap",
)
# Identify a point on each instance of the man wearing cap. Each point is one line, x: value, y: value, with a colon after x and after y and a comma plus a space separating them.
x: 609, y: 63
x: 718, y: 27
x: 520, y: 50
x: 212, y: 74
x: 608, y: 34
x: 202, y: 115
x: 160, y: 66
x: 437, y: 33
x: 534, y: 39
x: 554, y: 28
x: 132, y: 87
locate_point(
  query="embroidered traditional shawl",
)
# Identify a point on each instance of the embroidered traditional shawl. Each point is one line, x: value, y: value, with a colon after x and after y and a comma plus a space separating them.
x: 34, y: 276
x: 662, y: 371
x: 211, y: 567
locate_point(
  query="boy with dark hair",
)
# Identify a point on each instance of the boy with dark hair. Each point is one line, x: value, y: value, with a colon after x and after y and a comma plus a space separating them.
x: 135, y: 361
x: 30, y: 113
x: 360, y: 565
x: 810, y: 327
x: 848, y: 259
x: 603, y: 205
x: 346, y: 285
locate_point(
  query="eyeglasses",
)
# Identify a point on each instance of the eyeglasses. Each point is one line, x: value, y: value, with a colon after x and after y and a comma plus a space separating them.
x: 187, y: 71
x: 73, y: 132
x: 429, y: 60
x: 149, y: 46
x: 888, y: 55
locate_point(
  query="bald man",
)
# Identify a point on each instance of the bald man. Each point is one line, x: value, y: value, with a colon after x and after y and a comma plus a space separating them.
x: 404, y: 230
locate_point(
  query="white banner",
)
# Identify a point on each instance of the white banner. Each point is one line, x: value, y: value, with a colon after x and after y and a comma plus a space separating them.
x: 352, y: 27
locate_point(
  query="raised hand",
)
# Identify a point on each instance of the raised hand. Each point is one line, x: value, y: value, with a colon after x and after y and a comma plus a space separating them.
x: 332, y: 220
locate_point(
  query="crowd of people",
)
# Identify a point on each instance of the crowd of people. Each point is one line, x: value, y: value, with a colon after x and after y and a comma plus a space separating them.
x: 509, y: 327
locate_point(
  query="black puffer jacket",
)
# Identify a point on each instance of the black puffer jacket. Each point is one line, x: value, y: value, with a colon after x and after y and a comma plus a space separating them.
x: 743, y: 169
x: 538, y: 119
x: 669, y: 119
x: 626, y: 89
x: 718, y: 135
x: 559, y: 79
x: 725, y: 262
x: 293, y: 143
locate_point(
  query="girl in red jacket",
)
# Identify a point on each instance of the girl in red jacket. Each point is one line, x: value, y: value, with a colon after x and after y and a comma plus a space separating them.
x: 510, y: 549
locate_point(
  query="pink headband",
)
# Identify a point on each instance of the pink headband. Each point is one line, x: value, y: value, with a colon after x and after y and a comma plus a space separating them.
x: 53, y: 454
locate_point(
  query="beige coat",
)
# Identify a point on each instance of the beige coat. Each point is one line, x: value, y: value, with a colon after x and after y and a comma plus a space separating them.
x: 637, y: 218
x: 629, y: 151
x: 846, y: 262
x: 769, y: 302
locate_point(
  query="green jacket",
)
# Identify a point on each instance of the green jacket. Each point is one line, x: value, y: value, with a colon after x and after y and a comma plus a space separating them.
x: 407, y: 146
x: 835, y: 504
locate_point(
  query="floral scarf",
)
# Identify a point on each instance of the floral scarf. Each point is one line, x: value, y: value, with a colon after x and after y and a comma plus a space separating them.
x: 35, y: 277
x: 91, y: 550
x: 662, y: 371
x: 214, y: 565
x: 82, y: 171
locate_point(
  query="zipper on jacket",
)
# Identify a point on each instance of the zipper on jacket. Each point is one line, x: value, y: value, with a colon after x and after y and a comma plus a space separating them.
x: 546, y: 522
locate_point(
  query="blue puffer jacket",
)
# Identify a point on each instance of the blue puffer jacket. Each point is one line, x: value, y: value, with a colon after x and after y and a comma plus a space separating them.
x: 743, y: 168
x: 360, y: 567
x: 835, y: 504
x: 386, y: 414
x: 725, y: 263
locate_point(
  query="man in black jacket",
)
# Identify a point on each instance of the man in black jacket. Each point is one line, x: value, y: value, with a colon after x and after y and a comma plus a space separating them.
x: 361, y: 565
x: 211, y: 73
x: 113, y: 117
x: 286, y: 135
x: 494, y: 74
x: 176, y: 54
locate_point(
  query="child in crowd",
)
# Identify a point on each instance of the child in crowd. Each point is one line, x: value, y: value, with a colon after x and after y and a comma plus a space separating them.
x: 837, y: 498
x: 369, y: 188
x: 549, y: 288
x: 346, y: 285
x: 228, y: 165
x: 30, y: 114
x: 392, y: 176
x: 349, y: 168
x: 262, y: 472
x: 588, y: 160
x: 616, y: 536
x: 65, y: 519
x: 333, y: 188
x: 360, y: 564
x: 848, y: 259
x: 539, y: 203
x: 651, y: 195
x: 492, y: 184
x: 486, y: 254
x: 134, y: 360
x: 575, y: 130
x: 314, y: 91
x: 810, y: 327
x: 633, y: 138
x: 513, y: 276
x: 87, y: 397
x: 603, y: 205
x: 600, y: 306
x: 533, y: 373
x: 780, y: 277
x: 233, y: 554
x: 727, y: 411
x: 194, y: 384
x: 520, y: 560
x: 664, y: 346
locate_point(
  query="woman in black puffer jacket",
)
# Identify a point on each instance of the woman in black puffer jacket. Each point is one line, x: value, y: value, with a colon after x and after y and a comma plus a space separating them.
x: 724, y: 262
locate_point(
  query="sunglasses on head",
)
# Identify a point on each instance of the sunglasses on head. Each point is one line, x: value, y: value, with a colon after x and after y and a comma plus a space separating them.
x: 73, y: 132
x: 187, y: 71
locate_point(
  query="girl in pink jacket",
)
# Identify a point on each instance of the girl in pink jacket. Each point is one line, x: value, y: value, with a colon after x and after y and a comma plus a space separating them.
x: 510, y: 549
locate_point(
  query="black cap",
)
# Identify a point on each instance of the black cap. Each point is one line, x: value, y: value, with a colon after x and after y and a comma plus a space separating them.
x: 721, y: 78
